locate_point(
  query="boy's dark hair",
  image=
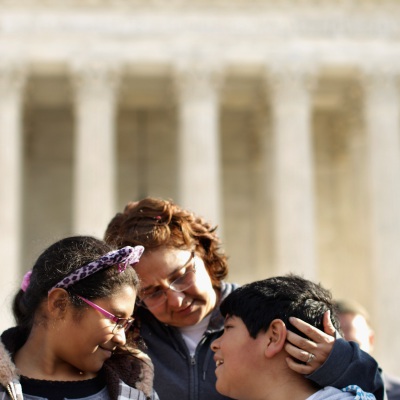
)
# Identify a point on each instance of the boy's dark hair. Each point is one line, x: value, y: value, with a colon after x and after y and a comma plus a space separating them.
x: 259, y: 303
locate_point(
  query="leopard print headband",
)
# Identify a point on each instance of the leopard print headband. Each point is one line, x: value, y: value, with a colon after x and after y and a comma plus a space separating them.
x: 123, y: 257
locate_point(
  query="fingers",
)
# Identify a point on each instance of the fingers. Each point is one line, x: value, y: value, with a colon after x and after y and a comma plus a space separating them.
x: 318, y: 344
x: 297, y: 354
x: 328, y: 326
x: 300, y: 356
x: 310, y: 331
x: 304, y: 369
x: 310, y: 358
x: 300, y: 346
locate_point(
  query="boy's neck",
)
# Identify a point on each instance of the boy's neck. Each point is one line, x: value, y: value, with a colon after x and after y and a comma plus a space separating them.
x: 284, y: 384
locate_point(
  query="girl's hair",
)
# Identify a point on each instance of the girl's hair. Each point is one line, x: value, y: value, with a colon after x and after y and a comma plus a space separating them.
x: 58, y: 261
x: 155, y: 223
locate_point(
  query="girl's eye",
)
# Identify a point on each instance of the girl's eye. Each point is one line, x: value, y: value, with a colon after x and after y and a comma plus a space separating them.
x: 226, y: 327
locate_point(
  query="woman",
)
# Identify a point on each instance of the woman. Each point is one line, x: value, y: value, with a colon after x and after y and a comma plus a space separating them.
x: 73, y: 313
x: 182, y: 284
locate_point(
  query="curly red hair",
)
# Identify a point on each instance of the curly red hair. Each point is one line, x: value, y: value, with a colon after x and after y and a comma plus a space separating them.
x: 155, y: 223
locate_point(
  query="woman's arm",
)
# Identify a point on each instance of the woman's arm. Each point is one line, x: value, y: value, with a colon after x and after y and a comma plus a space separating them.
x: 335, y: 363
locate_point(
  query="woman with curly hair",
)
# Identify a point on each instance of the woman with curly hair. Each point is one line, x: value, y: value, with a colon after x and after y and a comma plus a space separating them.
x: 182, y: 274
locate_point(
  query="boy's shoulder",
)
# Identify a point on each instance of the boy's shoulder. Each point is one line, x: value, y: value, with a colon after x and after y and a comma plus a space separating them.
x: 349, y: 392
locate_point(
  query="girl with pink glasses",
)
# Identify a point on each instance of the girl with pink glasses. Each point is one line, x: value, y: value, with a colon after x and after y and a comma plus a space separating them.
x: 73, y: 313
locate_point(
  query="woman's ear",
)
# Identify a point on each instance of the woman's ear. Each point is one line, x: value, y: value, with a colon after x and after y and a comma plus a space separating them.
x: 57, y: 302
x: 276, y: 338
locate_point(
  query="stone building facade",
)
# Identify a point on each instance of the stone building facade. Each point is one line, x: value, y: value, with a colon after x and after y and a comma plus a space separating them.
x: 276, y: 120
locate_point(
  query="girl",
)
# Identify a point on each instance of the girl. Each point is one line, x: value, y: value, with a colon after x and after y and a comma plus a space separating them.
x: 73, y: 313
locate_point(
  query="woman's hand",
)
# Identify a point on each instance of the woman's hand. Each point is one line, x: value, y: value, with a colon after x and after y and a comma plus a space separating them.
x: 312, y: 351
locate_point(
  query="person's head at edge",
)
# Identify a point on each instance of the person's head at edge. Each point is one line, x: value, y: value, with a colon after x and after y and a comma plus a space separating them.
x: 355, y: 324
x: 250, y: 354
x: 59, y: 323
x: 177, y: 243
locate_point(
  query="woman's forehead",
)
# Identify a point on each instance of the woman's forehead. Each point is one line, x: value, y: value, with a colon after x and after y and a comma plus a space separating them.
x: 161, y: 264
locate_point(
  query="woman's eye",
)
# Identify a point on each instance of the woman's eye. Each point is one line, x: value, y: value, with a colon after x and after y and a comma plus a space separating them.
x: 156, y: 295
x: 179, y: 275
x: 148, y: 293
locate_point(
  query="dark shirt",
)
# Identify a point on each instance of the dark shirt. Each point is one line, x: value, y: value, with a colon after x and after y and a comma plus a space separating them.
x: 59, y: 390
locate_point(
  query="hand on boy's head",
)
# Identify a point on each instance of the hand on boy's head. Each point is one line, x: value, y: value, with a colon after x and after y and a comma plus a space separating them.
x: 307, y: 355
x: 329, y: 329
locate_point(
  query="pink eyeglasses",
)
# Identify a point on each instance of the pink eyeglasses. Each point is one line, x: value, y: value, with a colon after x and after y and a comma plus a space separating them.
x: 120, y: 323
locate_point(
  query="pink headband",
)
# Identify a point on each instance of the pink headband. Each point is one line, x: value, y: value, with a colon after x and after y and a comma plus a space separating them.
x: 26, y: 280
x: 123, y: 257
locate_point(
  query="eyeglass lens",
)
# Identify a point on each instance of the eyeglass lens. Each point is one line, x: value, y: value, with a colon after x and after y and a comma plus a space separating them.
x: 178, y: 285
x: 122, y: 324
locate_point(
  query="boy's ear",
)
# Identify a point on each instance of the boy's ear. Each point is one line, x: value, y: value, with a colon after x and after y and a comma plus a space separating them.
x: 57, y: 302
x: 276, y: 338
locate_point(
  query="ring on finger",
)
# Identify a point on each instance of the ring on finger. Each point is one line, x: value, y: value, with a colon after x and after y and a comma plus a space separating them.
x: 310, y: 358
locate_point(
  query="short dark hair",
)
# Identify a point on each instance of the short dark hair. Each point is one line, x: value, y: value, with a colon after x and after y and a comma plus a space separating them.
x: 155, y: 223
x: 259, y: 303
x: 58, y: 261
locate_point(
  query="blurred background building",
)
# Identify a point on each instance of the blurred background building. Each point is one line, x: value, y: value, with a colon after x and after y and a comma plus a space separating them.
x: 276, y: 120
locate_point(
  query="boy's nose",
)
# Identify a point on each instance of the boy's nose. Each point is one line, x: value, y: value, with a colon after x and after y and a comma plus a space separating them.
x: 215, y: 345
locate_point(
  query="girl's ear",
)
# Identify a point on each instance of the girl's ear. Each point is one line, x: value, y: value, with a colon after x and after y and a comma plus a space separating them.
x: 57, y: 302
x: 276, y: 338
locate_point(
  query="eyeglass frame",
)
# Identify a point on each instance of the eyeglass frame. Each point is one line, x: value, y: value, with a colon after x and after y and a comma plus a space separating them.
x: 141, y: 302
x: 125, y: 325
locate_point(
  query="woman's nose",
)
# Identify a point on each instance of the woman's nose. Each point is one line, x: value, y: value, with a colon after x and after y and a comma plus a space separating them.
x: 175, y: 299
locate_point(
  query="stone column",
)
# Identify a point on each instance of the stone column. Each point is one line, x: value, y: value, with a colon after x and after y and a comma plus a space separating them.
x: 199, y: 170
x: 293, y: 175
x: 382, y: 119
x: 12, y: 79
x: 95, y: 85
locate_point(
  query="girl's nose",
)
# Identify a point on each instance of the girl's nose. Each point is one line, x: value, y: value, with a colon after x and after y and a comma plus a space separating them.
x: 120, y: 337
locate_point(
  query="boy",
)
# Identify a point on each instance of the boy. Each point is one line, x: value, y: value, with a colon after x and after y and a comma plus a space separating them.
x: 250, y: 356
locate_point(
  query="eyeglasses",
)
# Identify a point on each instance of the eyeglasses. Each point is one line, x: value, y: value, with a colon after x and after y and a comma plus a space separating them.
x: 120, y: 323
x: 186, y: 279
